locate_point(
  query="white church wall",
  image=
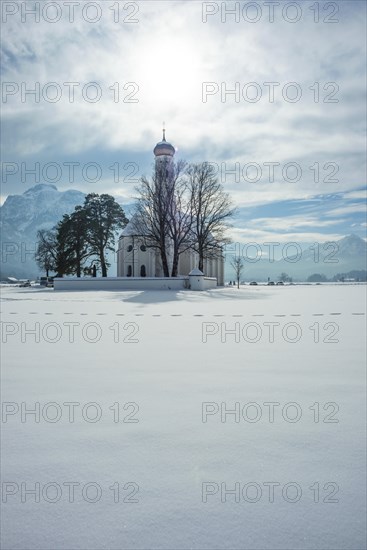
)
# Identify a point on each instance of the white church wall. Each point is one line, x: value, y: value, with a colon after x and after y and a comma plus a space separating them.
x: 210, y: 282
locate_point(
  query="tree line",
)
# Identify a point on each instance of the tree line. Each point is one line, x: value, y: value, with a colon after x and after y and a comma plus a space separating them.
x: 357, y: 275
x: 79, y: 243
x: 181, y: 207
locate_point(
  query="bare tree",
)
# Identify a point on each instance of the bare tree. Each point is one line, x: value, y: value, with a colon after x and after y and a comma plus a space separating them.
x: 238, y: 265
x: 46, y: 252
x: 180, y: 215
x: 182, y: 207
x: 156, y: 220
x: 211, y: 210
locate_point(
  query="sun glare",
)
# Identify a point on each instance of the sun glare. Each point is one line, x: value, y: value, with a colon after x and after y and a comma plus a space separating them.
x: 169, y: 71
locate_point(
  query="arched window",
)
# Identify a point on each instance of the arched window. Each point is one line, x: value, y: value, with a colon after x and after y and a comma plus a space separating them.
x: 129, y: 271
x: 143, y: 271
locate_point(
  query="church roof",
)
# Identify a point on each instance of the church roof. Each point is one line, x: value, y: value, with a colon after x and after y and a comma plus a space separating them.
x: 130, y: 229
x: 164, y: 147
x: 196, y: 272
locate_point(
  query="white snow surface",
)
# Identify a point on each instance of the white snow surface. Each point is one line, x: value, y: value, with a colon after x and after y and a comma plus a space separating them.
x: 170, y: 452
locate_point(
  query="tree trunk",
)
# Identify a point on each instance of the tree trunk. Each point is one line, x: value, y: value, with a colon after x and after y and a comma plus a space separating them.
x: 164, y: 263
x: 175, y: 263
x: 164, y: 258
x: 78, y: 267
x: 47, y: 272
x: 103, y: 265
x: 201, y: 261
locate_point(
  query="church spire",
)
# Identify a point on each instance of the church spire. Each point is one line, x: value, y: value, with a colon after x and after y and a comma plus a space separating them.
x: 164, y: 148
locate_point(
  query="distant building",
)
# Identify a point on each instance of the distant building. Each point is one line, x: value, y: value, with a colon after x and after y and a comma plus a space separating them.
x: 135, y: 259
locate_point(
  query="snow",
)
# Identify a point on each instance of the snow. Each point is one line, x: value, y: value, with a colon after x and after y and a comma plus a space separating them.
x: 170, y: 453
x: 196, y: 272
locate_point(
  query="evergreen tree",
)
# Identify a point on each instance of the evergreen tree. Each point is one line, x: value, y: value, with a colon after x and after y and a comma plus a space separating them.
x: 73, y: 230
x: 65, y: 260
x: 103, y: 217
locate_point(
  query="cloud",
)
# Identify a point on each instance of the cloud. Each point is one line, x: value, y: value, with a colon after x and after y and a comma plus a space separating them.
x: 169, y: 53
x: 351, y: 209
x: 260, y: 236
x: 362, y: 194
x: 292, y: 222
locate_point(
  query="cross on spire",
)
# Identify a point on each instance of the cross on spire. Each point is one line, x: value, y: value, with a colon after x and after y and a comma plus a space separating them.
x: 164, y: 131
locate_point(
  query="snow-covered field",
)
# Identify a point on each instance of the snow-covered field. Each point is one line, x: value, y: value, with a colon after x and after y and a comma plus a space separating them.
x: 229, y: 419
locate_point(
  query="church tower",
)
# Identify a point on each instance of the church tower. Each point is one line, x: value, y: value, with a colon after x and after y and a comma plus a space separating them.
x: 164, y: 159
x: 164, y: 150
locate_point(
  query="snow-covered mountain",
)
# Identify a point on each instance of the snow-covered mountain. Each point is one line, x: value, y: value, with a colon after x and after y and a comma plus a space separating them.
x: 40, y: 207
x: 328, y: 258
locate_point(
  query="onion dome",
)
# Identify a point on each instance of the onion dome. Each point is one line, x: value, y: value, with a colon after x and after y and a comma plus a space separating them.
x: 164, y: 147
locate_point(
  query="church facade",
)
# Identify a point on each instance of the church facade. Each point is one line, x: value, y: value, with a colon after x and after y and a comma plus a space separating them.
x: 135, y: 259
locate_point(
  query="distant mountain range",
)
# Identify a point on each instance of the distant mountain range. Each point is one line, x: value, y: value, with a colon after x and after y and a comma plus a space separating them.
x: 327, y: 258
x: 42, y: 206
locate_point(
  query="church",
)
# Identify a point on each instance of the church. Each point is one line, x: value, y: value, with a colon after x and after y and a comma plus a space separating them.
x: 135, y: 259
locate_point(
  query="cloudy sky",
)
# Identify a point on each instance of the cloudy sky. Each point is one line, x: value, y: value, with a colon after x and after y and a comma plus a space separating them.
x: 272, y: 93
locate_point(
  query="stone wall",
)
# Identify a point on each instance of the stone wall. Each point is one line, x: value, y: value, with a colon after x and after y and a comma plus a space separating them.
x: 120, y: 283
